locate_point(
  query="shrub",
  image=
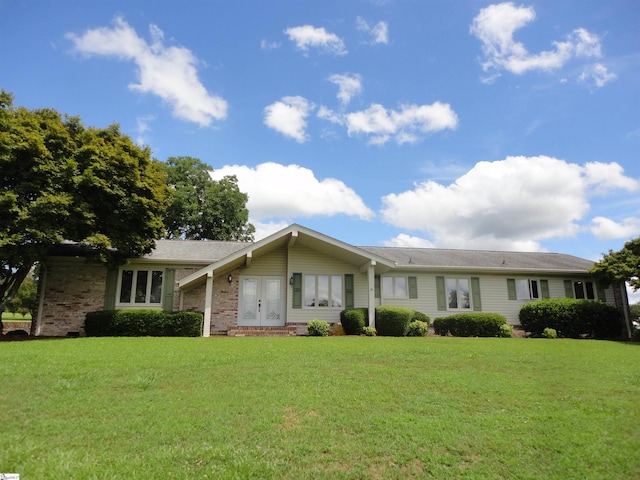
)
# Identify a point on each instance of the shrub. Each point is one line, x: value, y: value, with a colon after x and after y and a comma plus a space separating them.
x: 393, y: 321
x: 318, y: 328
x: 139, y: 322
x: 549, y: 333
x: 572, y: 318
x: 369, y: 331
x: 478, y: 324
x: 506, y: 331
x: 418, y: 328
x: 420, y: 317
x: 353, y: 320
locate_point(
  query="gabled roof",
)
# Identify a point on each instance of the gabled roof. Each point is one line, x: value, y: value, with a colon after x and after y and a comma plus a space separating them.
x: 434, y: 258
x: 193, y: 251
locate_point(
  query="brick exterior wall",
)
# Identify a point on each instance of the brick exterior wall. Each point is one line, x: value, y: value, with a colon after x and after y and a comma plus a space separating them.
x: 72, y: 289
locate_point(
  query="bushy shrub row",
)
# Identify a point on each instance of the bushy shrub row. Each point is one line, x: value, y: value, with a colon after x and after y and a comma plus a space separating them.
x: 390, y: 321
x: 572, y: 318
x: 478, y: 324
x: 141, y: 323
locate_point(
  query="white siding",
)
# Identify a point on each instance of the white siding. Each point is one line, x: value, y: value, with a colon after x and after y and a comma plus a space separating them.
x: 274, y: 263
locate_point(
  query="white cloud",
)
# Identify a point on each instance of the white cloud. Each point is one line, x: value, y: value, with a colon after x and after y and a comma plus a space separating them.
x: 349, y: 85
x: 288, y: 116
x: 495, y: 27
x: 143, y: 127
x: 266, y: 45
x: 509, y: 204
x: 596, y: 75
x: 405, y: 125
x: 404, y: 240
x: 264, y: 229
x: 168, y: 72
x: 604, y: 177
x: 607, y: 229
x: 379, y: 32
x: 307, y: 36
x: 287, y: 191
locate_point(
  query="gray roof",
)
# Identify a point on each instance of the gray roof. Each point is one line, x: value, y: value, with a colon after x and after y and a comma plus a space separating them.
x: 196, y: 251
x: 481, y: 259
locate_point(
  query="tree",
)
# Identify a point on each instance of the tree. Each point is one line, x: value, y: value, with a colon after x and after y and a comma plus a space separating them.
x: 62, y: 181
x: 620, y: 266
x: 200, y: 208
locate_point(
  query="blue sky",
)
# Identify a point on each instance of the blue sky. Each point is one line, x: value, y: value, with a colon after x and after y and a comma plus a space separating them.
x: 455, y: 124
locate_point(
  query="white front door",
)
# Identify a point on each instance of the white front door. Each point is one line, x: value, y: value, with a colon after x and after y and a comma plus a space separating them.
x: 261, y: 301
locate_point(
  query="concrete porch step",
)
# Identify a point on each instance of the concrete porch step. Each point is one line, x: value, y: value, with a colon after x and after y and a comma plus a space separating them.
x: 290, y: 331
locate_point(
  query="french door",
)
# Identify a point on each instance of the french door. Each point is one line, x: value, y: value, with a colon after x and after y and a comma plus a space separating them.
x: 261, y: 301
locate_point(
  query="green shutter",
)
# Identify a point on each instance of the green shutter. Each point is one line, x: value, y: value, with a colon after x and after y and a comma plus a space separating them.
x: 568, y: 288
x: 511, y: 289
x: 413, y: 287
x: 169, y: 281
x: 441, y: 296
x: 111, y: 285
x: 544, y: 289
x: 348, y: 290
x: 297, y: 291
x: 376, y: 282
x: 602, y: 295
x: 475, y: 294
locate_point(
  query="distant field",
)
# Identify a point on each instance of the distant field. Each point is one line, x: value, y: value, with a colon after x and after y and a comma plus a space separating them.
x: 15, y: 317
x: 319, y: 408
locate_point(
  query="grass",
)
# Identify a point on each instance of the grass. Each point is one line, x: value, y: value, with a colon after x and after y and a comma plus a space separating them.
x: 15, y: 317
x: 319, y: 408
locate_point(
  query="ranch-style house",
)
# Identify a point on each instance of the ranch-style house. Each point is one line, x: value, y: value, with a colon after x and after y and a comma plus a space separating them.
x: 280, y: 283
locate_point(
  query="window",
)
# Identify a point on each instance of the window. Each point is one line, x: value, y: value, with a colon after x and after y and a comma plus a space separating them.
x: 394, y: 287
x: 458, y: 291
x: 323, y: 291
x: 140, y: 287
x: 584, y: 290
x: 527, y: 289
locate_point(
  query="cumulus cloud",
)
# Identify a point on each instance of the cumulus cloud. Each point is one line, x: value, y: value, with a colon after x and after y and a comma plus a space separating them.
x: 288, y: 191
x: 288, y: 116
x: 307, y: 36
x: 596, y: 75
x: 404, y: 240
x: 607, y: 229
x: 509, y: 204
x: 405, y: 125
x: 168, y: 72
x: 495, y: 27
x: 348, y: 84
x: 379, y: 33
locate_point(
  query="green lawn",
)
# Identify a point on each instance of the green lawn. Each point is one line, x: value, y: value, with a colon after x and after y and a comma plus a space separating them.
x: 319, y: 408
x: 15, y: 317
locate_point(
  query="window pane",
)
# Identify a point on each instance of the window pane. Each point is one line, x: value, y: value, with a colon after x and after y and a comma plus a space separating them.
x: 387, y: 287
x: 522, y: 287
x: 590, y: 294
x: 156, y: 286
x: 463, y: 287
x: 452, y: 292
x: 323, y: 290
x: 534, y: 289
x: 309, y: 291
x: 125, y: 286
x: 578, y: 290
x: 141, y: 286
x: 400, y: 287
x: 336, y: 291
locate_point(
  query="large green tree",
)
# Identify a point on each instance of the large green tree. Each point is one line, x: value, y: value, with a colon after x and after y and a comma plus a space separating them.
x: 200, y: 208
x: 62, y: 181
x: 620, y: 266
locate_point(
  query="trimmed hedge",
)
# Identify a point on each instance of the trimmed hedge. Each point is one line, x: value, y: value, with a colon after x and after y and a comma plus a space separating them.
x: 418, y: 328
x: 354, y: 320
x: 420, y: 317
x: 142, y: 323
x: 572, y: 318
x: 393, y: 321
x: 471, y: 325
x: 318, y: 328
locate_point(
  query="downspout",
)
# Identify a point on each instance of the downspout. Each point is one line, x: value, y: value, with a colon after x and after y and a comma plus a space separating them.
x: 372, y: 297
x: 206, y: 328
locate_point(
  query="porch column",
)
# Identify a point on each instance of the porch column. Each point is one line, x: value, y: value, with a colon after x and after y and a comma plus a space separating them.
x: 206, y: 328
x: 372, y: 295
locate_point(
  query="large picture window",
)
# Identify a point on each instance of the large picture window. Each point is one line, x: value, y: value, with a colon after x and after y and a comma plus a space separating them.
x: 527, y: 289
x: 584, y: 290
x: 458, y: 294
x: 394, y: 287
x: 323, y: 291
x: 140, y: 287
